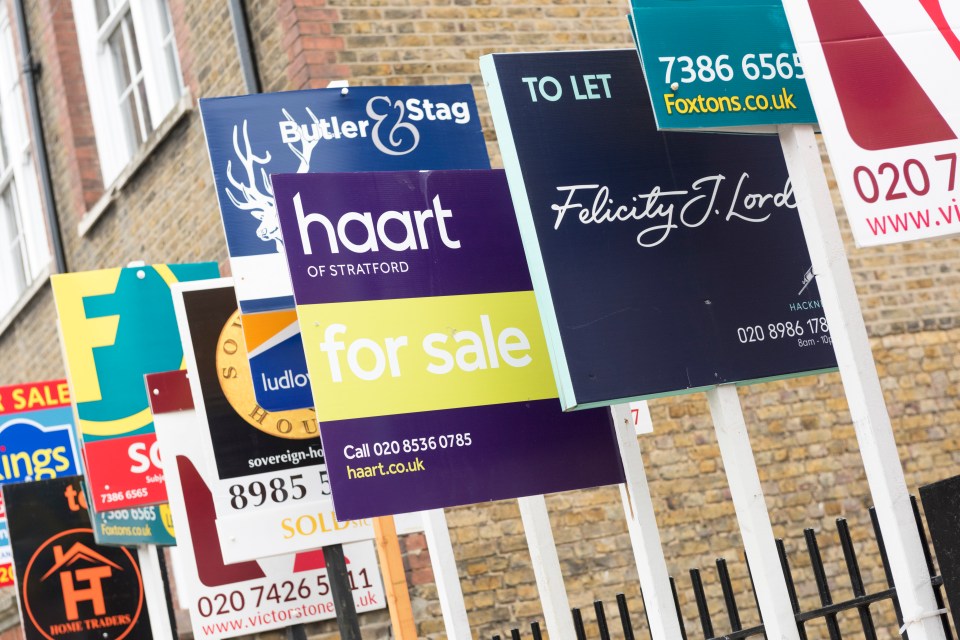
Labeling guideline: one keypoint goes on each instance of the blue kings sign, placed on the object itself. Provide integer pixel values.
(37, 439)
(320, 130)
(37, 442)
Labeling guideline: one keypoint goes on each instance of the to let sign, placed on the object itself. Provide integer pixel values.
(663, 262)
(883, 79)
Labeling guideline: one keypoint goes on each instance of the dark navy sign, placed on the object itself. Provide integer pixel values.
(364, 129)
(662, 263)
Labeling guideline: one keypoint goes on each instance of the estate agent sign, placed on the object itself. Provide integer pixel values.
(69, 587)
(36, 443)
(429, 365)
(720, 63)
(115, 326)
(228, 599)
(271, 490)
(663, 262)
(883, 79)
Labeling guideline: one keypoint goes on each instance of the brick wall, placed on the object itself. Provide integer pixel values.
(806, 450)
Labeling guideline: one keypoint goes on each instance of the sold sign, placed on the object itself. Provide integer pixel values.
(878, 73)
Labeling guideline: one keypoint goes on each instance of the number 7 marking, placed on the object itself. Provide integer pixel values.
(952, 159)
(669, 61)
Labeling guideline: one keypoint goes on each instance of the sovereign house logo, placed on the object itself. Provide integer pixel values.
(237, 385)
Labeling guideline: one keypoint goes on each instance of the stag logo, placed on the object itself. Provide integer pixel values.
(254, 191)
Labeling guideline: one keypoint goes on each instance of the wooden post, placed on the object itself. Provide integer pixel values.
(546, 568)
(394, 579)
(445, 574)
(755, 528)
(644, 534)
(861, 383)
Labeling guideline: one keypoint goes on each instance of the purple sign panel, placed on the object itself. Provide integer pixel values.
(427, 359)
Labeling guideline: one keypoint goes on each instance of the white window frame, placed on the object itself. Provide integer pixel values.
(19, 170)
(99, 71)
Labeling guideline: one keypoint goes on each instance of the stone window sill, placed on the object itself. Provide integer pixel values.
(137, 162)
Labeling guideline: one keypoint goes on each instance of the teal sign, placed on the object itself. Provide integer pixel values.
(718, 63)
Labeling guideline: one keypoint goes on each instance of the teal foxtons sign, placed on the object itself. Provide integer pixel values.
(720, 63)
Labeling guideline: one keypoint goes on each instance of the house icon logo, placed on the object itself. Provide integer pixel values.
(82, 556)
(74, 588)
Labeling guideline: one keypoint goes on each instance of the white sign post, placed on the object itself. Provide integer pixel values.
(740, 465)
(546, 567)
(642, 524)
(445, 574)
(861, 384)
(155, 594)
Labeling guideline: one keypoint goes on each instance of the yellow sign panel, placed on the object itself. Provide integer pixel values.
(467, 350)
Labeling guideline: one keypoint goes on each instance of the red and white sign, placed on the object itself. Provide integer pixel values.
(129, 470)
(227, 600)
(883, 76)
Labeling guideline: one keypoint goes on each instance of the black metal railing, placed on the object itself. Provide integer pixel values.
(828, 612)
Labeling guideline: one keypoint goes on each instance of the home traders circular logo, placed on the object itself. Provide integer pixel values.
(74, 589)
(233, 372)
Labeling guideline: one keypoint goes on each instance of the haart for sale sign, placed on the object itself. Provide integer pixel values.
(427, 356)
(883, 77)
